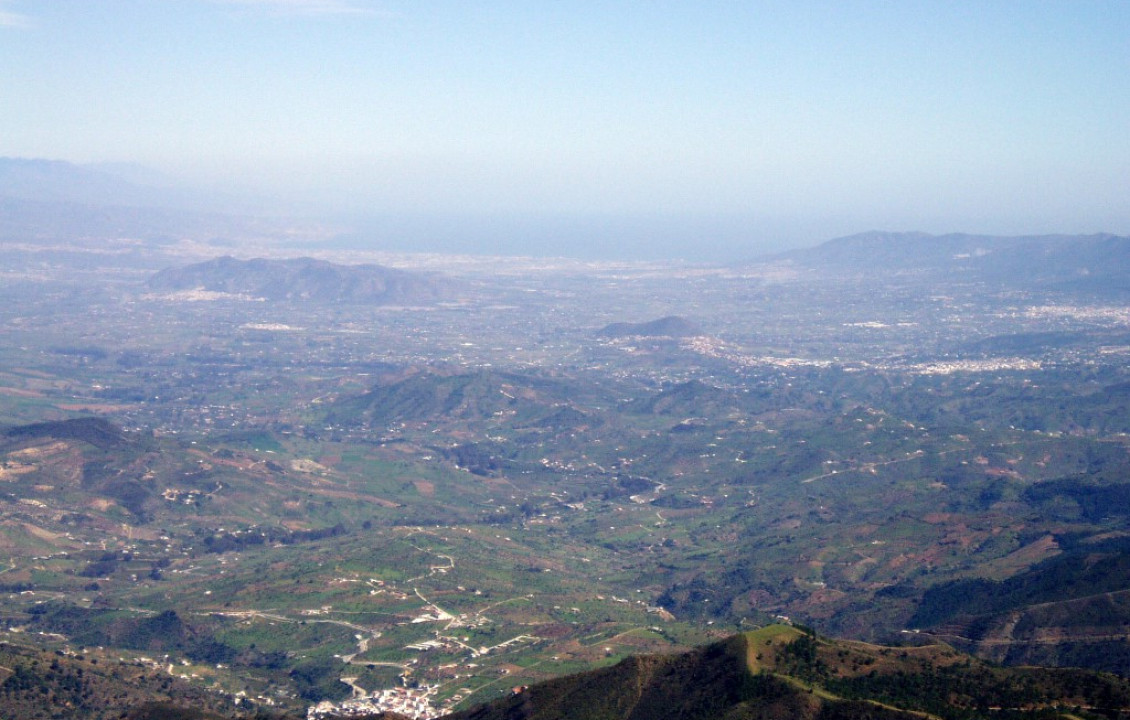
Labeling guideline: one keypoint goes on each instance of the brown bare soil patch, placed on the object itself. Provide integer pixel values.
(1026, 557)
(346, 495)
(32, 373)
(304, 465)
(38, 532)
(18, 392)
(937, 518)
(11, 472)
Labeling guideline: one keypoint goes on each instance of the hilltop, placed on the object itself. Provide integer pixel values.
(98, 432)
(669, 326)
(431, 394)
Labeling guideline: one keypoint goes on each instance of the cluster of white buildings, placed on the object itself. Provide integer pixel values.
(409, 702)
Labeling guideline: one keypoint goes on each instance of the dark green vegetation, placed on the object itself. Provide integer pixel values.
(780, 672)
(38, 684)
(298, 499)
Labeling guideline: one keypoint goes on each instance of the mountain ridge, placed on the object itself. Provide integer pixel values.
(305, 279)
(784, 671)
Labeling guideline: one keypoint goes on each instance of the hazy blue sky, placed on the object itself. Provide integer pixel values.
(797, 120)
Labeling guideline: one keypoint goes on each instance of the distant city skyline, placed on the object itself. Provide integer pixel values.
(684, 125)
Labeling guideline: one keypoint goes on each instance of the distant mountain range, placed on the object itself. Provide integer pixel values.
(307, 280)
(51, 201)
(41, 222)
(1064, 260)
(55, 181)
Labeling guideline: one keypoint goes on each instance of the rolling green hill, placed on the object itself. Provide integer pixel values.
(434, 394)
